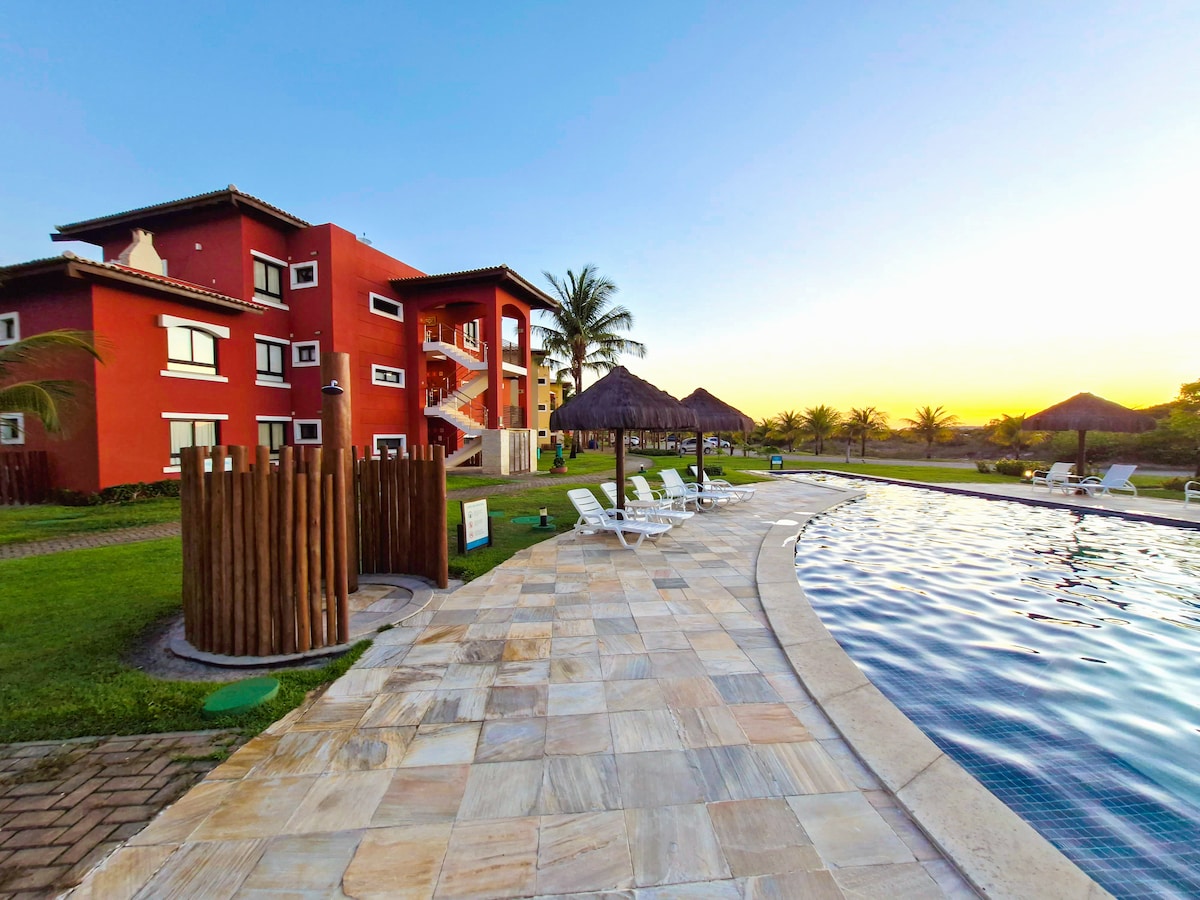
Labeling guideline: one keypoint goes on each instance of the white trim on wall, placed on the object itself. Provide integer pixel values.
(220, 331)
(15, 318)
(376, 369)
(206, 417)
(296, 423)
(397, 316)
(193, 376)
(16, 421)
(294, 268)
(297, 346)
(266, 257)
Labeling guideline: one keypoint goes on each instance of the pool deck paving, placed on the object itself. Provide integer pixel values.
(583, 721)
(586, 720)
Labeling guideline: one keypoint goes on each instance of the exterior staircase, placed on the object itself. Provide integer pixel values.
(470, 447)
(450, 405)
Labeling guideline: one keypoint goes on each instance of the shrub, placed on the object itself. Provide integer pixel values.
(117, 493)
(1016, 467)
(714, 470)
(982, 466)
(1175, 484)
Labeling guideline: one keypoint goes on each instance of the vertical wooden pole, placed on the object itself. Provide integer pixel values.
(222, 570)
(442, 555)
(315, 621)
(300, 529)
(328, 559)
(341, 550)
(285, 529)
(268, 642)
(336, 430)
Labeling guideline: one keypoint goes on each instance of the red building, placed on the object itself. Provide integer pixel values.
(212, 313)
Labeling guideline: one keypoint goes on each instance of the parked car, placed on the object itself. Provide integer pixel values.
(632, 440)
(711, 444)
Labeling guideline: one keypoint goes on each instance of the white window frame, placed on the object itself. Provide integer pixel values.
(283, 267)
(194, 417)
(541, 432)
(297, 440)
(541, 381)
(376, 369)
(398, 316)
(471, 337)
(218, 332)
(281, 420)
(258, 379)
(403, 438)
(541, 407)
(295, 267)
(297, 346)
(15, 319)
(12, 420)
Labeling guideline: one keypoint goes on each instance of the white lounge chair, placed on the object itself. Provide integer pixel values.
(1057, 475)
(700, 497)
(595, 519)
(1115, 479)
(651, 510)
(741, 491)
(1190, 490)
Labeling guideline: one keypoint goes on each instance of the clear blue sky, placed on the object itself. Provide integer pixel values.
(988, 206)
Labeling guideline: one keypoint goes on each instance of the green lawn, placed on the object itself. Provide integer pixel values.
(68, 619)
(35, 523)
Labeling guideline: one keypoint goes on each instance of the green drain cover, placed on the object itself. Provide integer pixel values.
(241, 696)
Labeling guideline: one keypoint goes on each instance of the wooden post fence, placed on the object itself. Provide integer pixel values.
(24, 476)
(267, 546)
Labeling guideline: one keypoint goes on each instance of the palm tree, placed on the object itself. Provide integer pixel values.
(1009, 432)
(821, 422)
(862, 423)
(931, 423)
(40, 398)
(584, 330)
(787, 427)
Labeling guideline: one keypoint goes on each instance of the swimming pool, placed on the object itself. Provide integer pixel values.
(1053, 654)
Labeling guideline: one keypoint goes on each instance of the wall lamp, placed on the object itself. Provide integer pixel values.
(333, 389)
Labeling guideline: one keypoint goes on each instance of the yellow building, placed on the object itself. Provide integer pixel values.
(546, 400)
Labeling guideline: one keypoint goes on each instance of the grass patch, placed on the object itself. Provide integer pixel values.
(34, 523)
(68, 620)
(587, 463)
(464, 482)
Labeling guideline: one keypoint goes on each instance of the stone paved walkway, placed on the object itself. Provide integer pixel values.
(583, 719)
(65, 805)
(84, 541)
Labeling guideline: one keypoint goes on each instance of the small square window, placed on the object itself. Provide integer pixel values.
(394, 444)
(304, 275)
(385, 306)
(541, 407)
(306, 353)
(12, 428)
(541, 433)
(10, 328)
(541, 381)
(306, 431)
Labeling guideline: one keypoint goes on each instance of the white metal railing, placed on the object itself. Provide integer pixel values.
(456, 337)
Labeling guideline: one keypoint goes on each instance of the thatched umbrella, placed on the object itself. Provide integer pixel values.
(1084, 413)
(713, 414)
(618, 401)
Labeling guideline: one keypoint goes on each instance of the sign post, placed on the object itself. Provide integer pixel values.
(476, 528)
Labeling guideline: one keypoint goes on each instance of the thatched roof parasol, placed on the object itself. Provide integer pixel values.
(713, 414)
(618, 401)
(1084, 413)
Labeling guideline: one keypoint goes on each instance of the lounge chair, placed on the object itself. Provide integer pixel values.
(1190, 490)
(651, 510)
(700, 497)
(1057, 475)
(741, 491)
(595, 519)
(1115, 479)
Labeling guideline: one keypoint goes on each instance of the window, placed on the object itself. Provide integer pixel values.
(387, 376)
(553, 402)
(383, 306)
(470, 332)
(541, 407)
(191, 433)
(541, 381)
(191, 350)
(395, 444)
(306, 431)
(541, 433)
(12, 428)
(268, 279)
(304, 275)
(269, 354)
(273, 434)
(306, 353)
(10, 328)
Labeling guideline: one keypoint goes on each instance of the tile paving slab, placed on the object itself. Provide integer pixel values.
(581, 721)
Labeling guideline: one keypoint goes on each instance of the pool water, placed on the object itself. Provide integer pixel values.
(1054, 654)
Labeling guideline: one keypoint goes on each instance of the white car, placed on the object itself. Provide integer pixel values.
(710, 445)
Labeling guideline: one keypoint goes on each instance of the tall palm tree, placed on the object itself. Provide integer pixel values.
(585, 329)
(821, 422)
(787, 427)
(862, 423)
(40, 398)
(1009, 432)
(931, 423)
